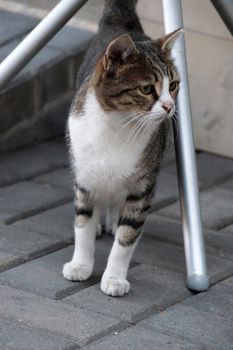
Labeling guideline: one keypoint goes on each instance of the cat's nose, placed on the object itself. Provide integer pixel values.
(167, 106)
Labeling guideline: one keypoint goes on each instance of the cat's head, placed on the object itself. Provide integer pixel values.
(138, 77)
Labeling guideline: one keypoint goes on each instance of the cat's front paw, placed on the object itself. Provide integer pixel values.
(114, 286)
(76, 272)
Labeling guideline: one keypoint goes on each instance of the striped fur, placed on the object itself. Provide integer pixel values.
(83, 205)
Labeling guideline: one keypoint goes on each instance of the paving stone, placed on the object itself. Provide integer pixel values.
(137, 338)
(212, 169)
(57, 317)
(216, 208)
(169, 157)
(225, 285)
(32, 161)
(58, 178)
(13, 335)
(218, 243)
(27, 198)
(189, 322)
(34, 275)
(26, 245)
(228, 184)
(57, 150)
(13, 26)
(151, 288)
(57, 223)
(8, 260)
(166, 190)
(217, 301)
(163, 229)
(227, 229)
(171, 169)
(164, 255)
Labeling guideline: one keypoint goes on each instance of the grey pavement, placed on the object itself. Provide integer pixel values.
(39, 309)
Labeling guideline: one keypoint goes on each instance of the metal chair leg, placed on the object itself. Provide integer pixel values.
(197, 278)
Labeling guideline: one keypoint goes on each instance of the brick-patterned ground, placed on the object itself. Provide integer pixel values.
(39, 309)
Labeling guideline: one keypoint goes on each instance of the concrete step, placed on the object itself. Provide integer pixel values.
(35, 104)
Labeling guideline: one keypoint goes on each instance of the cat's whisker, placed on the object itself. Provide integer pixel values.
(138, 132)
(131, 133)
(131, 137)
(125, 125)
(132, 115)
(122, 129)
(129, 116)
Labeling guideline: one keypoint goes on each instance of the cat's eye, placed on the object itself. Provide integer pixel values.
(173, 85)
(146, 89)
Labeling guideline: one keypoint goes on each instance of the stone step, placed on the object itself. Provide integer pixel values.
(36, 102)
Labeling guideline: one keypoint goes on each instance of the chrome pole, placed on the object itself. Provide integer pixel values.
(37, 39)
(197, 278)
(225, 10)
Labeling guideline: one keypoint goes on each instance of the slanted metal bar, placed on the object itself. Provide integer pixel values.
(197, 278)
(37, 39)
(225, 10)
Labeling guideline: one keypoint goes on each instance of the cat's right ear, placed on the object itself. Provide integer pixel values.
(166, 42)
(118, 51)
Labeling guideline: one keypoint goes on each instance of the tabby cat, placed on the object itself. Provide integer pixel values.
(118, 129)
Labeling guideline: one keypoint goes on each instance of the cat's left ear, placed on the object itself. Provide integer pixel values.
(118, 51)
(166, 42)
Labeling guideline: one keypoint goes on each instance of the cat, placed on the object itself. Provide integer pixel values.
(118, 129)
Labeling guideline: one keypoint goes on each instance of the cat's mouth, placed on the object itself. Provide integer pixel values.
(159, 117)
(172, 112)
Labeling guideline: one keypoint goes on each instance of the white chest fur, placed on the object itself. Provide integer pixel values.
(103, 155)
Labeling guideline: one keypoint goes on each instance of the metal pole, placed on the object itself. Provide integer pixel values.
(197, 278)
(225, 9)
(37, 39)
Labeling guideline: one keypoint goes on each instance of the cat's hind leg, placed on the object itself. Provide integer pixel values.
(111, 220)
(99, 230)
(85, 226)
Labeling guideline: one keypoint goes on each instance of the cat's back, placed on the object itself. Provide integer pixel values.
(119, 17)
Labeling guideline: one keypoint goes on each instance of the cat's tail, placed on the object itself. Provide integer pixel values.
(120, 13)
